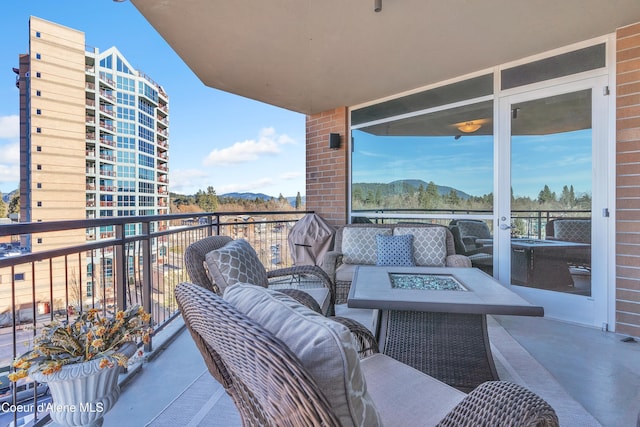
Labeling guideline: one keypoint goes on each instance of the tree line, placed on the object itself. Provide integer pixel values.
(429, 198)
(208, 201)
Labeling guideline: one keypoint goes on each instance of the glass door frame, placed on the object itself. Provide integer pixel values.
(594, 310)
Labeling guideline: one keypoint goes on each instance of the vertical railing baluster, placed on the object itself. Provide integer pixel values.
(146, 272)
(119, 268)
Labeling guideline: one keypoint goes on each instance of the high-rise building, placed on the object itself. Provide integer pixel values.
(93, 141)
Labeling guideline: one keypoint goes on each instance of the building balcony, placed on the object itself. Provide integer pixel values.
(553, 358)
(109, 81)
(107, 141)
(107, 110)
(107, 95)
(107, 126)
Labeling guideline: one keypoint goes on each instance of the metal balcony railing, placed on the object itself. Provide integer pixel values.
(112, 263)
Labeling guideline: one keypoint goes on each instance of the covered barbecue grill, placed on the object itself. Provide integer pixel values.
(310, 239)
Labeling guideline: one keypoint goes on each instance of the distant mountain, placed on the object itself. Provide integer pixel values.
(405, 185)
(6, 197)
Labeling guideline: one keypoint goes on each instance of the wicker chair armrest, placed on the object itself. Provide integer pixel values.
(458, 261)
(331, 262)
(367, 344)
(303, 269)
(501, 403)
(311, 270)
(303, 298)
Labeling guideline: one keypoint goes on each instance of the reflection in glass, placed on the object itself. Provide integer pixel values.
(551, 193)
(426, 162)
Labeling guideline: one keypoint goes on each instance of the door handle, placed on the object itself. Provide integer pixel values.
(505, 227)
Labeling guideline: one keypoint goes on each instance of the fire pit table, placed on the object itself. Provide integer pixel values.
(434, 318)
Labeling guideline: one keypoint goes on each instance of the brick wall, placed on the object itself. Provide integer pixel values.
(628, 181)
(327, 168)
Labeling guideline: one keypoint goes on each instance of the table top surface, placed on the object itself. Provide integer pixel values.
(371, 288)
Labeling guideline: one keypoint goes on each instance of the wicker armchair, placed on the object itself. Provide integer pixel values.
(196, 253)
(271, 387)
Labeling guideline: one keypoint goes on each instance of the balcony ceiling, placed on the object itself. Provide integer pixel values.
(310, 56)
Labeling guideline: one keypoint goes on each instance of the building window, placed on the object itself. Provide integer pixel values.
(37, 34)
(38, 130)
(39, 167)
(39, 204)
(38, 56)
(392, 145)
(38, 75)
(38, 111)
(38, 93)
(39, 240)
(39, 147)
(39, 185)
(145, 161)
(18, 276)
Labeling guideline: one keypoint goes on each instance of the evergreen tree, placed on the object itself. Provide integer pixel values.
(3, 207)
(432, 195)
(298, 201)
(546, 196)
(208, 201)
(14, 204)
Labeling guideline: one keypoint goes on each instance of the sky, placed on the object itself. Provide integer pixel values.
(216, 139)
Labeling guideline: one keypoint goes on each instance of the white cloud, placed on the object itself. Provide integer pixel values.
(290, 176)
(10, 127)
(187, 181)
(251, 187)
(268, 143)
(10, 153)
(9, 166)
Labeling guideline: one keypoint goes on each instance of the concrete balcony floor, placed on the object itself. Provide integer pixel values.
(597, 369)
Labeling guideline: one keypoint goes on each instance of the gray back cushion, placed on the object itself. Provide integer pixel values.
(235, 262)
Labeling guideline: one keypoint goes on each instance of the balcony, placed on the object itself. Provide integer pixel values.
(549, 356)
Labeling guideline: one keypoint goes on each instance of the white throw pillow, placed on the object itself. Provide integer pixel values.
(325, 348)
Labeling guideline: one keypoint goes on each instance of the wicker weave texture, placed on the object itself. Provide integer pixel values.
(500, 403)
(195, 254)
(270, 385)
(451, 347)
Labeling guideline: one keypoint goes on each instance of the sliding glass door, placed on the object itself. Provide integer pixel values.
(552, 199)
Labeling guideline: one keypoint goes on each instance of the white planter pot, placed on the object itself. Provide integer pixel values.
(82, 393)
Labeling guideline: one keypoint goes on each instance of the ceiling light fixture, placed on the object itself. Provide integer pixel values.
(469, 127)
(377, 5)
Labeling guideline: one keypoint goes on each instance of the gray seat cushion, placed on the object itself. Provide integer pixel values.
(405, 396)
(322, 296)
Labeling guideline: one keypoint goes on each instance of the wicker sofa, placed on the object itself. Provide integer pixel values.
(355, 244)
